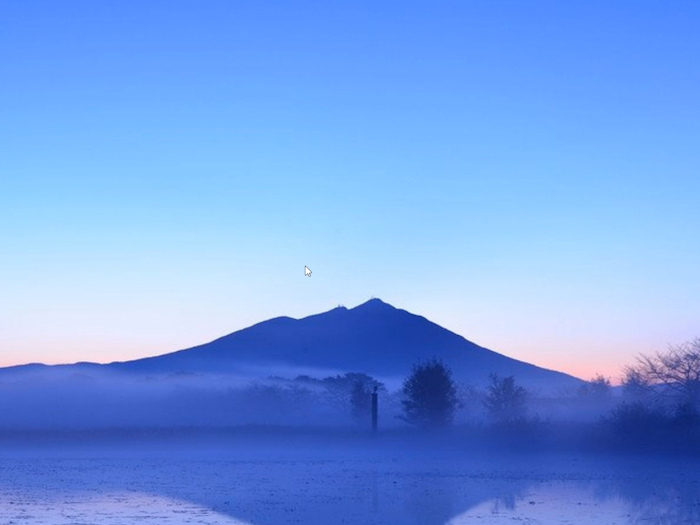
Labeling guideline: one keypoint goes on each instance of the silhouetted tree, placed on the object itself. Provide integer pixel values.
(597, 389)
(505, 401)
(349, 393)
(634, 387)
(670, 378)
(429, 395)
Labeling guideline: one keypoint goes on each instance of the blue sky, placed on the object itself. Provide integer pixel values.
(523, 173)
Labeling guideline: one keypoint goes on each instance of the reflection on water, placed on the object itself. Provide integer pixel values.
(657, 501)
(565, 502)
(260, 491)
(585, 503)
(113, 508)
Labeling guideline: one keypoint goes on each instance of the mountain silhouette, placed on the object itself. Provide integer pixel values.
(246, 378)
(374, 337)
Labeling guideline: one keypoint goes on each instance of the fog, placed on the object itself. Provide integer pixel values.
(95, 445)
(55, 398)
(97, 397)
(95, 401)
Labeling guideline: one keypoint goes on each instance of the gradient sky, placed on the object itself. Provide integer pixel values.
(526, 174)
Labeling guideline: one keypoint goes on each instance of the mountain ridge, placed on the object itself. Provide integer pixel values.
(373, 337)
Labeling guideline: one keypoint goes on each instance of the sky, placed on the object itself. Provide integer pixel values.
(525, 174)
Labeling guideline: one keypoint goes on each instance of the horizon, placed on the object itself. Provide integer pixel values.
(524, 175)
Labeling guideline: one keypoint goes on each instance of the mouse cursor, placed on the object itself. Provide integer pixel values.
(307, 272)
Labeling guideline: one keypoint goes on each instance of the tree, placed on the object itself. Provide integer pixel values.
(669, 378)
(349, 393)
(505, 401)
(429, 395)
(361, 390)
(634, 387)
(597, 389)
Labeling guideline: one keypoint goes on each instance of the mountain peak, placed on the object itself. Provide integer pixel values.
(374, 304)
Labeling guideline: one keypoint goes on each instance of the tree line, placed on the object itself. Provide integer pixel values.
(660, 394)
(430, 397)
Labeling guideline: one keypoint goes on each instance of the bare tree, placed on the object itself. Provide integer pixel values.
(671, 376)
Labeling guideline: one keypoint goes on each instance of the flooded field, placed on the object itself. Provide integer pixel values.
(269, 487)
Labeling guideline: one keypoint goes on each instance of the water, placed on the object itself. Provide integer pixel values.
(333, 488)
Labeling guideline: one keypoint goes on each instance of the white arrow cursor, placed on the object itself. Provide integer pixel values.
(307, 272)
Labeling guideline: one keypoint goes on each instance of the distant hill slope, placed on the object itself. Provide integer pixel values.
(374, 337)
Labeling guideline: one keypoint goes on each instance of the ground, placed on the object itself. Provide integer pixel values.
(368, 481)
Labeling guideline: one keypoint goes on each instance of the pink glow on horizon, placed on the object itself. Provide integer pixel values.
(52, 354)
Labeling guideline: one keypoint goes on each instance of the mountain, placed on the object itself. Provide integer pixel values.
(374, 337)
(228, 382)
